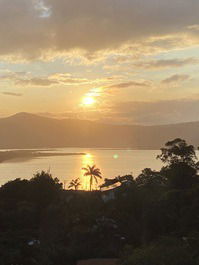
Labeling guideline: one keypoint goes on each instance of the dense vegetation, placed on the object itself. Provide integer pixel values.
(150, 220)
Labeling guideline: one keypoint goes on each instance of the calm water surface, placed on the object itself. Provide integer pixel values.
(111, 162)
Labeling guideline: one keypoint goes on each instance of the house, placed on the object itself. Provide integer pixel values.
(108, 195)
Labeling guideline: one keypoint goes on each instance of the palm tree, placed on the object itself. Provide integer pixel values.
(94, 173)
(75, 183)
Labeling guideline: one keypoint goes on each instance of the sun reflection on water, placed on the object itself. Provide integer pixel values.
(87, 159)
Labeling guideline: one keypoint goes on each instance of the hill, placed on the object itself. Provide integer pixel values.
(24, 130)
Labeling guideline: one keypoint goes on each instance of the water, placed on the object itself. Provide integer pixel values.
(112, 163)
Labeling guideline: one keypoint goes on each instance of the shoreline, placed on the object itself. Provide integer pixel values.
(9, 156)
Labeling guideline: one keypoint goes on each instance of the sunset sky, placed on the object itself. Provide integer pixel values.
(116, 61)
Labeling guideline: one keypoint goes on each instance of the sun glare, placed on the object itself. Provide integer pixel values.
(86, 160)
(88, 101)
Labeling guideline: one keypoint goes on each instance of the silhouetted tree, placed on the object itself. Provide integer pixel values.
(178, 151)
(181, 164)
(165, 251)
(149, 177)
(75, 183)
(94, 174)
(14, 191)
(44, 188)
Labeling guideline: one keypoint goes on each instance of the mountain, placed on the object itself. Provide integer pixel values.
(24, 130)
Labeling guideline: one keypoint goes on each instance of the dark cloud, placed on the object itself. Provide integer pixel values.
(36, 28)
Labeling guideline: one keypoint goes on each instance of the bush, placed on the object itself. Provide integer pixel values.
(165, 252)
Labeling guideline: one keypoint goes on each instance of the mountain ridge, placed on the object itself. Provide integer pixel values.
(26, 130)
(28, 114)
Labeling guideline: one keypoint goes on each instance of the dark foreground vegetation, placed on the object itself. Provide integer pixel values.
(150, 220)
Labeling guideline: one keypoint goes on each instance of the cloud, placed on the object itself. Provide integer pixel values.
(25, 79)
(46, 28)
(36, 82)
(163, 64)
(130, 84)
(12, 94)
(175, 79)
(194, 27)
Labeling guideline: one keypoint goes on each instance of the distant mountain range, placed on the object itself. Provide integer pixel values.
(24, 130)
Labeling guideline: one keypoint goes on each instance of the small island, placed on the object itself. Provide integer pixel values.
(17, 155)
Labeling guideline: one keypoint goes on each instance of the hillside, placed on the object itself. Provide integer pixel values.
(25, 130)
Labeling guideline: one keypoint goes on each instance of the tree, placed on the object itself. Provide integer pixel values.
(75, 183)
(14, 191)
(178, 151)
(181, 164)
(180, 175)
(44, 188)
(149, 177)
(94, 174)
(165, 251)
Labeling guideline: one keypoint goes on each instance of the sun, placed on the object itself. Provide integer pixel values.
(88, 101)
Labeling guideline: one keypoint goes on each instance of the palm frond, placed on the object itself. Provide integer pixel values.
(86, 173)
(97, 172)
(85, 168)
(93, 167)
(96, 179)
(93, 172)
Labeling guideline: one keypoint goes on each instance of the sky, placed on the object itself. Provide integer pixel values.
(113, 61)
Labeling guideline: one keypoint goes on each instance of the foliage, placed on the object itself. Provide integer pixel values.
(75, 183)
(94, 174)
(181, 164)
(150, 177)
(178, 151)
(180, 175)
(47, 188)
(150, 220)
(166, 251)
